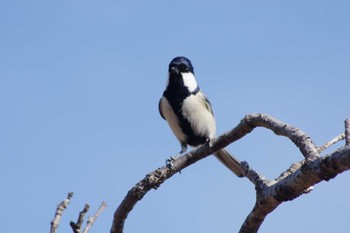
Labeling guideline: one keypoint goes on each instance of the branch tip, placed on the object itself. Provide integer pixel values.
(347, 131)
(76, 227)
(59, 211)
(331, 142)
(91, 220)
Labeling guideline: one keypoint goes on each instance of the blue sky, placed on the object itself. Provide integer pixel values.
(79, 88)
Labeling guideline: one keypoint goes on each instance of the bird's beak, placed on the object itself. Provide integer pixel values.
(174, 70)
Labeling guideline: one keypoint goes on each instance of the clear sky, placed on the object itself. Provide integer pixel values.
(80, 83)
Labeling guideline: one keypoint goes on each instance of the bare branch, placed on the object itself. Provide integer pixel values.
(59, 211)
(258, 180)
(331, 142)
(257, 216)
(297, 183)
(92, 219)
(347, 131)
(152, 180)
(77, 226)
(269, 193)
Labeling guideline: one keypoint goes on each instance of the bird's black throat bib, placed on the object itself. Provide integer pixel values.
(176, 93)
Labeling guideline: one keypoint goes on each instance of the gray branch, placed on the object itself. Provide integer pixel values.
(76, 227)
(295, 181)
(91, 220)
(347, 132)
(331, 142)
(59, 211)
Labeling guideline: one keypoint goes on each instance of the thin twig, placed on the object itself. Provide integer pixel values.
(347, 131)
(59, 211)
(259, 181)
(77, 226)
(290, 170)
(92, 219)
(331, 142)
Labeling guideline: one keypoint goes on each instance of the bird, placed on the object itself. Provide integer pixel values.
(189, 113)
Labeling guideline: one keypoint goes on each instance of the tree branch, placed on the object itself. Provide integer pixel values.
(347, 131)
(91, 220)
(59, 211)
(331, 142)
(295, 184)
(295, 181)
(76, 227)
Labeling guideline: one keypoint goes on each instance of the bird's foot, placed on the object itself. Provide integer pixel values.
(210, 141)
(169, 161)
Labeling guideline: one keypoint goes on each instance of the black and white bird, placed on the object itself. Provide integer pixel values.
(189, 113)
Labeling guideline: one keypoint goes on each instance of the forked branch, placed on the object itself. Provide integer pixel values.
(296, 180)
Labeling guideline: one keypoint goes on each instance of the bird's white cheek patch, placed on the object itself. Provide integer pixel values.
(189, 81)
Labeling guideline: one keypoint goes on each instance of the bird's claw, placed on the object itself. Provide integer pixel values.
(169, 162)
(210, 142)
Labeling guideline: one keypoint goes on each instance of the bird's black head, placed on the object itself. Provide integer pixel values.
(181, 81)
(180, 65)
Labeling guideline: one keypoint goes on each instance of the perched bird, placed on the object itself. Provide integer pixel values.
(189, 113)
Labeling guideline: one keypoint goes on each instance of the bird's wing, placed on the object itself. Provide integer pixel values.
(207, 103)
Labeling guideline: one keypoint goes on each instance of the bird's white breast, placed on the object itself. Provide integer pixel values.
(195, 110)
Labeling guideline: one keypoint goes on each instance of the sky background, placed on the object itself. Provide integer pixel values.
(80, 83)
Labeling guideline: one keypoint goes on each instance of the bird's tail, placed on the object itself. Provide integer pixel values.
(229, 161)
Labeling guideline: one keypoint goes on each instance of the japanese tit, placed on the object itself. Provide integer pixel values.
(189, 113)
